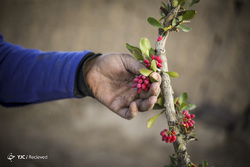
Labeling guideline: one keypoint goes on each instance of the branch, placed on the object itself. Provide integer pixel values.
(167, 91)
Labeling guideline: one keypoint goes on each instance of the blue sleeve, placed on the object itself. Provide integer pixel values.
(32, 76)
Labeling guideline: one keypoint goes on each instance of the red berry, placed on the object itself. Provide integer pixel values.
(192, 115)
(146, 89)
(158, 58)
(138, 85)
(146, 81)
(159, 65)
(148, 65)
(148, 85)
(144, 77)
(160, 61)
(163, 133)
(185, 112)
(146, 61)
(143, 86)
(153, 57)
(140, 81)
(159, 38)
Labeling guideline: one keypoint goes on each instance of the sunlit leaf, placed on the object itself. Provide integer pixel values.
(175, 3)
(151, 121)
(172, 74)
(145, 72)
(154, 22)
(161, 101)
(145, 46)
(174, 22)
(153, 65)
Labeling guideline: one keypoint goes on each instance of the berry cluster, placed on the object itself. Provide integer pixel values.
(157, 59)
(168, 136)
(187, 120)
(141, 83)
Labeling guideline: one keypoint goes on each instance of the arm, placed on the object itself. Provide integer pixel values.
(31, 76)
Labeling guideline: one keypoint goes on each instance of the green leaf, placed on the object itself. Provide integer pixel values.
(184, 28)
(145, 72)
(204, 164)
(131, 47)
(152, 79)
(161, 101)
(189, 107)
(192, 2)
(172, 74)
(183, 105)
(189, 15)
(153, 65)
(175, 3)
(157, 106)
(174, 22)
(145, 46)
(137, 54)
(182, 2)
(151, 52)
(180, 18)
(176, 99)
(183, 98)
(154, 22)
(151, 121)
(179, 146)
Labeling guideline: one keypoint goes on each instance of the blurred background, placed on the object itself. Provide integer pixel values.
(212, 60)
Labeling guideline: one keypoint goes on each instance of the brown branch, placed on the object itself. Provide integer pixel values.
(167, 91)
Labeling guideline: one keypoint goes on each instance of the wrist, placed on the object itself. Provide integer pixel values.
(82, 85)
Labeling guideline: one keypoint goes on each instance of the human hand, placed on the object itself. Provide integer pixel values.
(110, 78)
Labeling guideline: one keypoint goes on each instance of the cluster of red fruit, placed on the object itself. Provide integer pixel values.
(168, 136)
(141, 83)
(187, 120)
(157, 59)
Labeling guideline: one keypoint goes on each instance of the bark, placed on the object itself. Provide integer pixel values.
(167, 91)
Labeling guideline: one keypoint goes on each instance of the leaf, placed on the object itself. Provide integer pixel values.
(157, 106)
(183, 105)
(180, 18)
(153, 65)
(161, 101)
(145, 46)
(152, 79)
(137, 54)
(151, 121)
(176, 99)
(183, 98)
(179, 146)
(182, 2)
(204, 164)
(189, 15)
(154, 22)
(184, 28)
(175, 3)
(151, 52)
(131, 47)
(174, 22)
(145, 72)
(192, 2)
(189, 107)
(172, 74)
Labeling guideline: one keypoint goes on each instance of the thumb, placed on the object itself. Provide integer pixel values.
(131, 64)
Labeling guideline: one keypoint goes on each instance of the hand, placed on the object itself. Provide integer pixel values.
(110, 78)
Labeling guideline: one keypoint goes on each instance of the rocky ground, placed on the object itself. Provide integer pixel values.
(212, 60)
